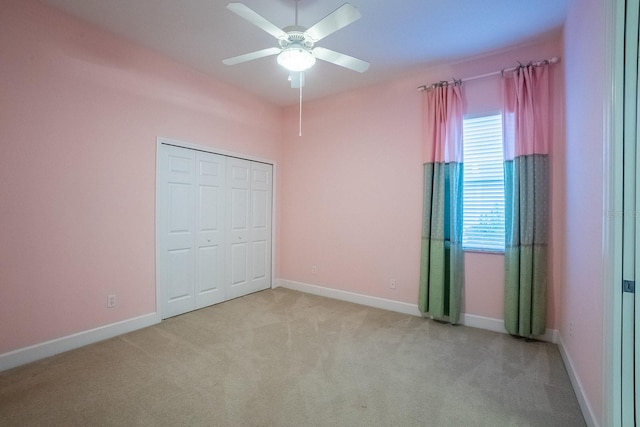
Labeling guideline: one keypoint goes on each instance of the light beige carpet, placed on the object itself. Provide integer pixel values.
(284, 358)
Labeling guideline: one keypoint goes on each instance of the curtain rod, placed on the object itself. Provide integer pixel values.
(552, 60)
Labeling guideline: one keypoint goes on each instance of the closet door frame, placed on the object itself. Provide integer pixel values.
(160, 141)
(621, 260)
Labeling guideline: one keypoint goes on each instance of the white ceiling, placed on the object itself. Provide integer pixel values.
(396, 37)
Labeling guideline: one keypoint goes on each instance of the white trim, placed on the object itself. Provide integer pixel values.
(159, 142)
(471, 320)
(208, 149)
(385, 304)
(497, 325)
(481, 322)
(59, 345)
(274, 231)
(587, 410)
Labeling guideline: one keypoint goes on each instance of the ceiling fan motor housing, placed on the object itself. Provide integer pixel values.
(296, 36)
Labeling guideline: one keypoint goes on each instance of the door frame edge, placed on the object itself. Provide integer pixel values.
(612, 224)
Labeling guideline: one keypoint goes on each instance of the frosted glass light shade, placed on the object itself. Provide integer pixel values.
(296, 59)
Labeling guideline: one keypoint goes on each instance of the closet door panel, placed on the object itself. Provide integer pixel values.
(260, 226)
(239, 256)
(210, 222)
(177, 253)
(238, 205)
(180, 295)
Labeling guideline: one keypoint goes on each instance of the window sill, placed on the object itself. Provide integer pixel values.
(483, 251)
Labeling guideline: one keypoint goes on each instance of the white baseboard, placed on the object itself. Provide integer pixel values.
(497, 325)
(587, 410)
(471, 320)
(481, 322)
(59, 345)
(386, 304)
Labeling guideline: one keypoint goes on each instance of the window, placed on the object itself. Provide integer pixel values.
(483, 184)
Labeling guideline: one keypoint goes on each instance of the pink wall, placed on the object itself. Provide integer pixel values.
(585, 62)
(351, 188)
(80, 111)
(349, 200)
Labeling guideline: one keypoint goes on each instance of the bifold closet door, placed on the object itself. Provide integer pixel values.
(249, 193)
(191, 225)
(214, 228)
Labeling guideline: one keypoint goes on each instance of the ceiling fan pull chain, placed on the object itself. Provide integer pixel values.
(300, 122)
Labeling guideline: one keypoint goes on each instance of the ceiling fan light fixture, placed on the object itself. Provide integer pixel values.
(296, 58)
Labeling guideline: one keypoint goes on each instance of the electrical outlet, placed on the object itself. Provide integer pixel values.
(314, 269)
(111, 301)
(570, 329)
(392, 284)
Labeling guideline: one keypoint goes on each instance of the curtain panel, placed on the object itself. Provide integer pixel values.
(526, 121)
(442, 259)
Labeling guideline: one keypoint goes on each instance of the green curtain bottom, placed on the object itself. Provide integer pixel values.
(525, 290)
(441, 280)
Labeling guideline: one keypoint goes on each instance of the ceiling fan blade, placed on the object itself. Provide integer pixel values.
(339, 18)
(257, 20)
(341, 59)
(253, 55)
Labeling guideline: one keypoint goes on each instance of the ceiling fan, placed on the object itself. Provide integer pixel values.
(296, 51)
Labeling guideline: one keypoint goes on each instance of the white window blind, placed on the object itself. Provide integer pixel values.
(483, 184)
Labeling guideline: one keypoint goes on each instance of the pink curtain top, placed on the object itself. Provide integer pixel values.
(526, 111)
(442, 140)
